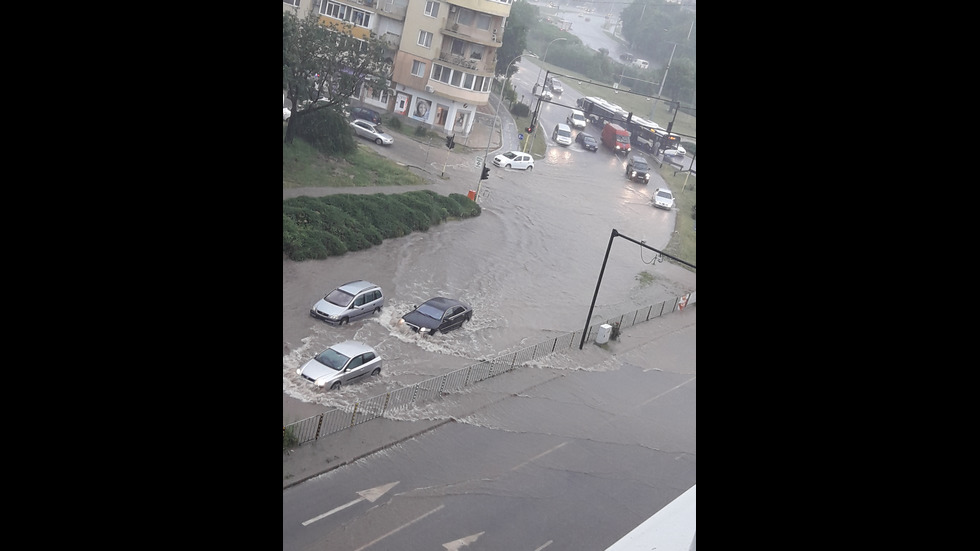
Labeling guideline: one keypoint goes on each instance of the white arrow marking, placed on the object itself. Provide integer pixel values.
(371, 495)
(462, 542)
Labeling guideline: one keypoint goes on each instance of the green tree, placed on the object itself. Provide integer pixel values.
(652, 29)
(323, 65)
(522, 16)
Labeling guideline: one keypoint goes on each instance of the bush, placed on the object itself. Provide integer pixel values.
(520, 109)
(327, 131)
(319, 227)
(394, 123)
(421, 132)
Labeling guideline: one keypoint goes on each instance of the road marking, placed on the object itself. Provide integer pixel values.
(369, 495)
(462, 542)
(540, 455)
(406, 525)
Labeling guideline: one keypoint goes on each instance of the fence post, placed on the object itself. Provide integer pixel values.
(319, 424)
(466, 383)
(384, 408)
(354, 414)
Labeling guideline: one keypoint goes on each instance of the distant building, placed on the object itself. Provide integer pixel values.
(443, 53)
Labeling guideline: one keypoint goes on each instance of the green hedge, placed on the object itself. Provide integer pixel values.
(319, 227)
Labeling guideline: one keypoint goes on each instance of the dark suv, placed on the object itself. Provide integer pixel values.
(638, 169)
(366, 114)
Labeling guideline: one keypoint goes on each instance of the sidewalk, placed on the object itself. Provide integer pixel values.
(341, 448)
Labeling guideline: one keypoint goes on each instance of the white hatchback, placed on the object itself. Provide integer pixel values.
(514, 159)
(576, 119)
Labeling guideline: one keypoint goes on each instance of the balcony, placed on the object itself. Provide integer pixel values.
(473, 34)
(469, 63)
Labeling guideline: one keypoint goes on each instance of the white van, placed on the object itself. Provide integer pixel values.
(576, 118)
(562, 134)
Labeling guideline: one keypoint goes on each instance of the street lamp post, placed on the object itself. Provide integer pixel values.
(530, 136)
(545, 60)
(493, 125)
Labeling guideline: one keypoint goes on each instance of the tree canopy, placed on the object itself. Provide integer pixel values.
(522, 17)
(322, 65)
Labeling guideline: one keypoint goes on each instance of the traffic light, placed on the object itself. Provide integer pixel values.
(486, 173)
(530, 129)
(450, 141)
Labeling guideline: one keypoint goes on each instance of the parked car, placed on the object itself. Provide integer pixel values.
(285, 113)
(341, 364)
(437, 314)
(562, 134)
(637, 168)
(365, 114)
(576, 118)
(372, 131)
(675, 151)
(546, 94)
(349, 302)
(514, 159)
(663, 198)
(588, 141)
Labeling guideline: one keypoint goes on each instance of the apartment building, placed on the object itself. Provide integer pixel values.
(443, 53)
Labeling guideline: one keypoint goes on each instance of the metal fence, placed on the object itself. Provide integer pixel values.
(338, 419)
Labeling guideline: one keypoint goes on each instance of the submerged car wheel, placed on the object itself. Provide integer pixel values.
(376, 371)
(529, 167)
(508, 165)
(335, 386)
(378, 141)
(343, 321)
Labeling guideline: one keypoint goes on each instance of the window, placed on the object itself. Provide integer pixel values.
(346, 13)
(418, 68)
(431, 9)
(483, 21)
(291, 2)
(458, 46)
(425, 39)
(465, 17)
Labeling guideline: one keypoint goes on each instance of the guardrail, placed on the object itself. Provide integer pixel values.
(338, 419)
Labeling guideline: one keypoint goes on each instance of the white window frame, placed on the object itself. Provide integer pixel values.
(425, 39)
(418, 68)
(291, 2)
(431, 8)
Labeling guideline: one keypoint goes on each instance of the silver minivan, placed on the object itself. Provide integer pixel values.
(349, 302)
(562, 134)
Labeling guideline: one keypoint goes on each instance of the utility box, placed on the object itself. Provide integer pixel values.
(602, 337)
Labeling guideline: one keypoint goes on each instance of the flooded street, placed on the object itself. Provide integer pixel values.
(528, 266)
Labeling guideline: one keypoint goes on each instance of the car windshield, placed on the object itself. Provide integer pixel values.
(564, 133)
(588, 138)
(332, 359)
(338, 297)
(430, 311)
(640, 164)
(509, 155)
(665, 194)
(622, 139)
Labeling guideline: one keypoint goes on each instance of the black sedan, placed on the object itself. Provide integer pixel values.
(587, 141)
(437, 314)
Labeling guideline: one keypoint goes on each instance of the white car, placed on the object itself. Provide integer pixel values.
(576, 119)
(663, 199)
(678, 151)
(547, 95)
(285, 113)
(340, 364)
(514, 159)
(371, 131)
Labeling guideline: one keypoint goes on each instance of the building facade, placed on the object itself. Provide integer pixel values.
(442, 53)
